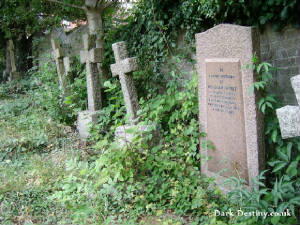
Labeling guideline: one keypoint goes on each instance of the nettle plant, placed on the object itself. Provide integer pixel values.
(277, 187)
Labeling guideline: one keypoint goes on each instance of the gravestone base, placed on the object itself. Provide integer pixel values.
(84, 120)
(124, 136)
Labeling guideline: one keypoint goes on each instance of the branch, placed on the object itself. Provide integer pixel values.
(67, 4)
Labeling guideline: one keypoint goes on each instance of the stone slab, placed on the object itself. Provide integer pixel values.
(84, 120)
(289, 121)
(296, 86)
(55, 44)
(67, 64)
(227, 112)
(225, 107)
(57, 53)
(120, 50)
(83, 56)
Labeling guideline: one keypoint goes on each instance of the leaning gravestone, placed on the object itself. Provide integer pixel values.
(58, 55)
(124, 67)
(289, 116)
(90, 56)
(227, 111)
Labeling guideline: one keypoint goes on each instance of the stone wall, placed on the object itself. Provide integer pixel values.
(281, 49)
(71, 42)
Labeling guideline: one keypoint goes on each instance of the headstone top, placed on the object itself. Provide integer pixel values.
(120, 50)
(289, 116)
(67, 64)
(289, 121)
(296, 86)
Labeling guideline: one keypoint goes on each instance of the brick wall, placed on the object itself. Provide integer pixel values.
(71, 43)
(281, 49)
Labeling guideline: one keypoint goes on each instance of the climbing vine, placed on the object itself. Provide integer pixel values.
(154, 28)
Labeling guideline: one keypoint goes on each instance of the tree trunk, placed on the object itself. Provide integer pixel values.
(7, 71)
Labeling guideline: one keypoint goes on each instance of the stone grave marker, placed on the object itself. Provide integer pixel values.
(228, 113)
(124, 67)
(90, 56)
(58, 55)
(68, 63)
(289, 116)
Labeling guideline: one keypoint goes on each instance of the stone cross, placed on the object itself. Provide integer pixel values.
(68, 63)
(91, 56)
(289, 116)
(58, 55)
(14, 74)
(124, 67)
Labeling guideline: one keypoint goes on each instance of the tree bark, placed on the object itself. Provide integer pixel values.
(7, 71)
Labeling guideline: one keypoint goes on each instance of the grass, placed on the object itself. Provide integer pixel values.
(34, 151)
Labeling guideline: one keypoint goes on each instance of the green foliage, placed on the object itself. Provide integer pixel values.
(112, 115)
(25, 128)
(154, 28)
(25, 18)
(49, 96)
(26, 184)
(140, 178)
(32, 146)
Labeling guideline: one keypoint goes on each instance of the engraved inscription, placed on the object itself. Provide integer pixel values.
(222, 98)
(225, 117)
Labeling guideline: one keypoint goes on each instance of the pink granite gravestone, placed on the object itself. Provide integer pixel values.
(227, 110)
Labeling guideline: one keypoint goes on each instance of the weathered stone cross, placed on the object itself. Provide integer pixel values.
(58, 55)
(289, 116)
(91, 56)
(124, 67)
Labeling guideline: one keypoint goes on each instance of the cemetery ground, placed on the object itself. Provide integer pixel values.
(49, 176)
(160, 113)
(37, 153)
